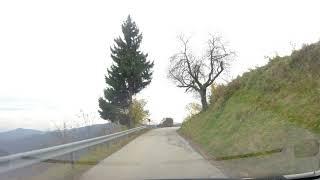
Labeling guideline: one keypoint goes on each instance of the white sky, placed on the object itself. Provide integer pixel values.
(54, 54)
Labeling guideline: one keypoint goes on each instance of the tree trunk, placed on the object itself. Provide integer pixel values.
(203, 95)
(130, 121)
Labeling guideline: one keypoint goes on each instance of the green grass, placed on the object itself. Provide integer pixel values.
(271, 107)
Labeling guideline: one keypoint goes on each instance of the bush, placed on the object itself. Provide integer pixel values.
(221, 93)
(307, 59)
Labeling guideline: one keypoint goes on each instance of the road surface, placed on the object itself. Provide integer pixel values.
(159, 153)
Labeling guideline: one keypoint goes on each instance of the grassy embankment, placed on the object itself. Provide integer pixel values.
(268, 108)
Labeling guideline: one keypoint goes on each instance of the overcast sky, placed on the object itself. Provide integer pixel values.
(54, 54)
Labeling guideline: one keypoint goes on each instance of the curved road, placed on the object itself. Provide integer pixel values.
(157, 154)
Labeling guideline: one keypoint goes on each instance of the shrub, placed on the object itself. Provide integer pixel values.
(221, 93)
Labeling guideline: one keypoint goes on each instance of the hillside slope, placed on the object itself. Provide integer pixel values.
(21, 140)
(270, 107)
(17, 134)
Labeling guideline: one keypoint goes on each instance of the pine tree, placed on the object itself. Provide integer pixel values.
(129, 74)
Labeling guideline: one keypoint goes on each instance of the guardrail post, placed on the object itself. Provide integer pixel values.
(72, 159)
(127, 137)
(107, 145)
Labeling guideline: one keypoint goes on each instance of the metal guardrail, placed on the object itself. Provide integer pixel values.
(20, 160)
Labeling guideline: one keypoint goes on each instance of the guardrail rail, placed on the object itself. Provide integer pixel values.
(20, 160)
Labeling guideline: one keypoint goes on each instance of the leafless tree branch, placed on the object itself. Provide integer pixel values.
(196, 74)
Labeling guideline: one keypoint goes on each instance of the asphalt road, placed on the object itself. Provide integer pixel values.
(159, 153)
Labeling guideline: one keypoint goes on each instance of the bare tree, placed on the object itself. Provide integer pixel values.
(197, 73)
(61, 131)
(87, 120)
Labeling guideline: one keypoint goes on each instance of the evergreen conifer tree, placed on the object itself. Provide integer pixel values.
(129, 74)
